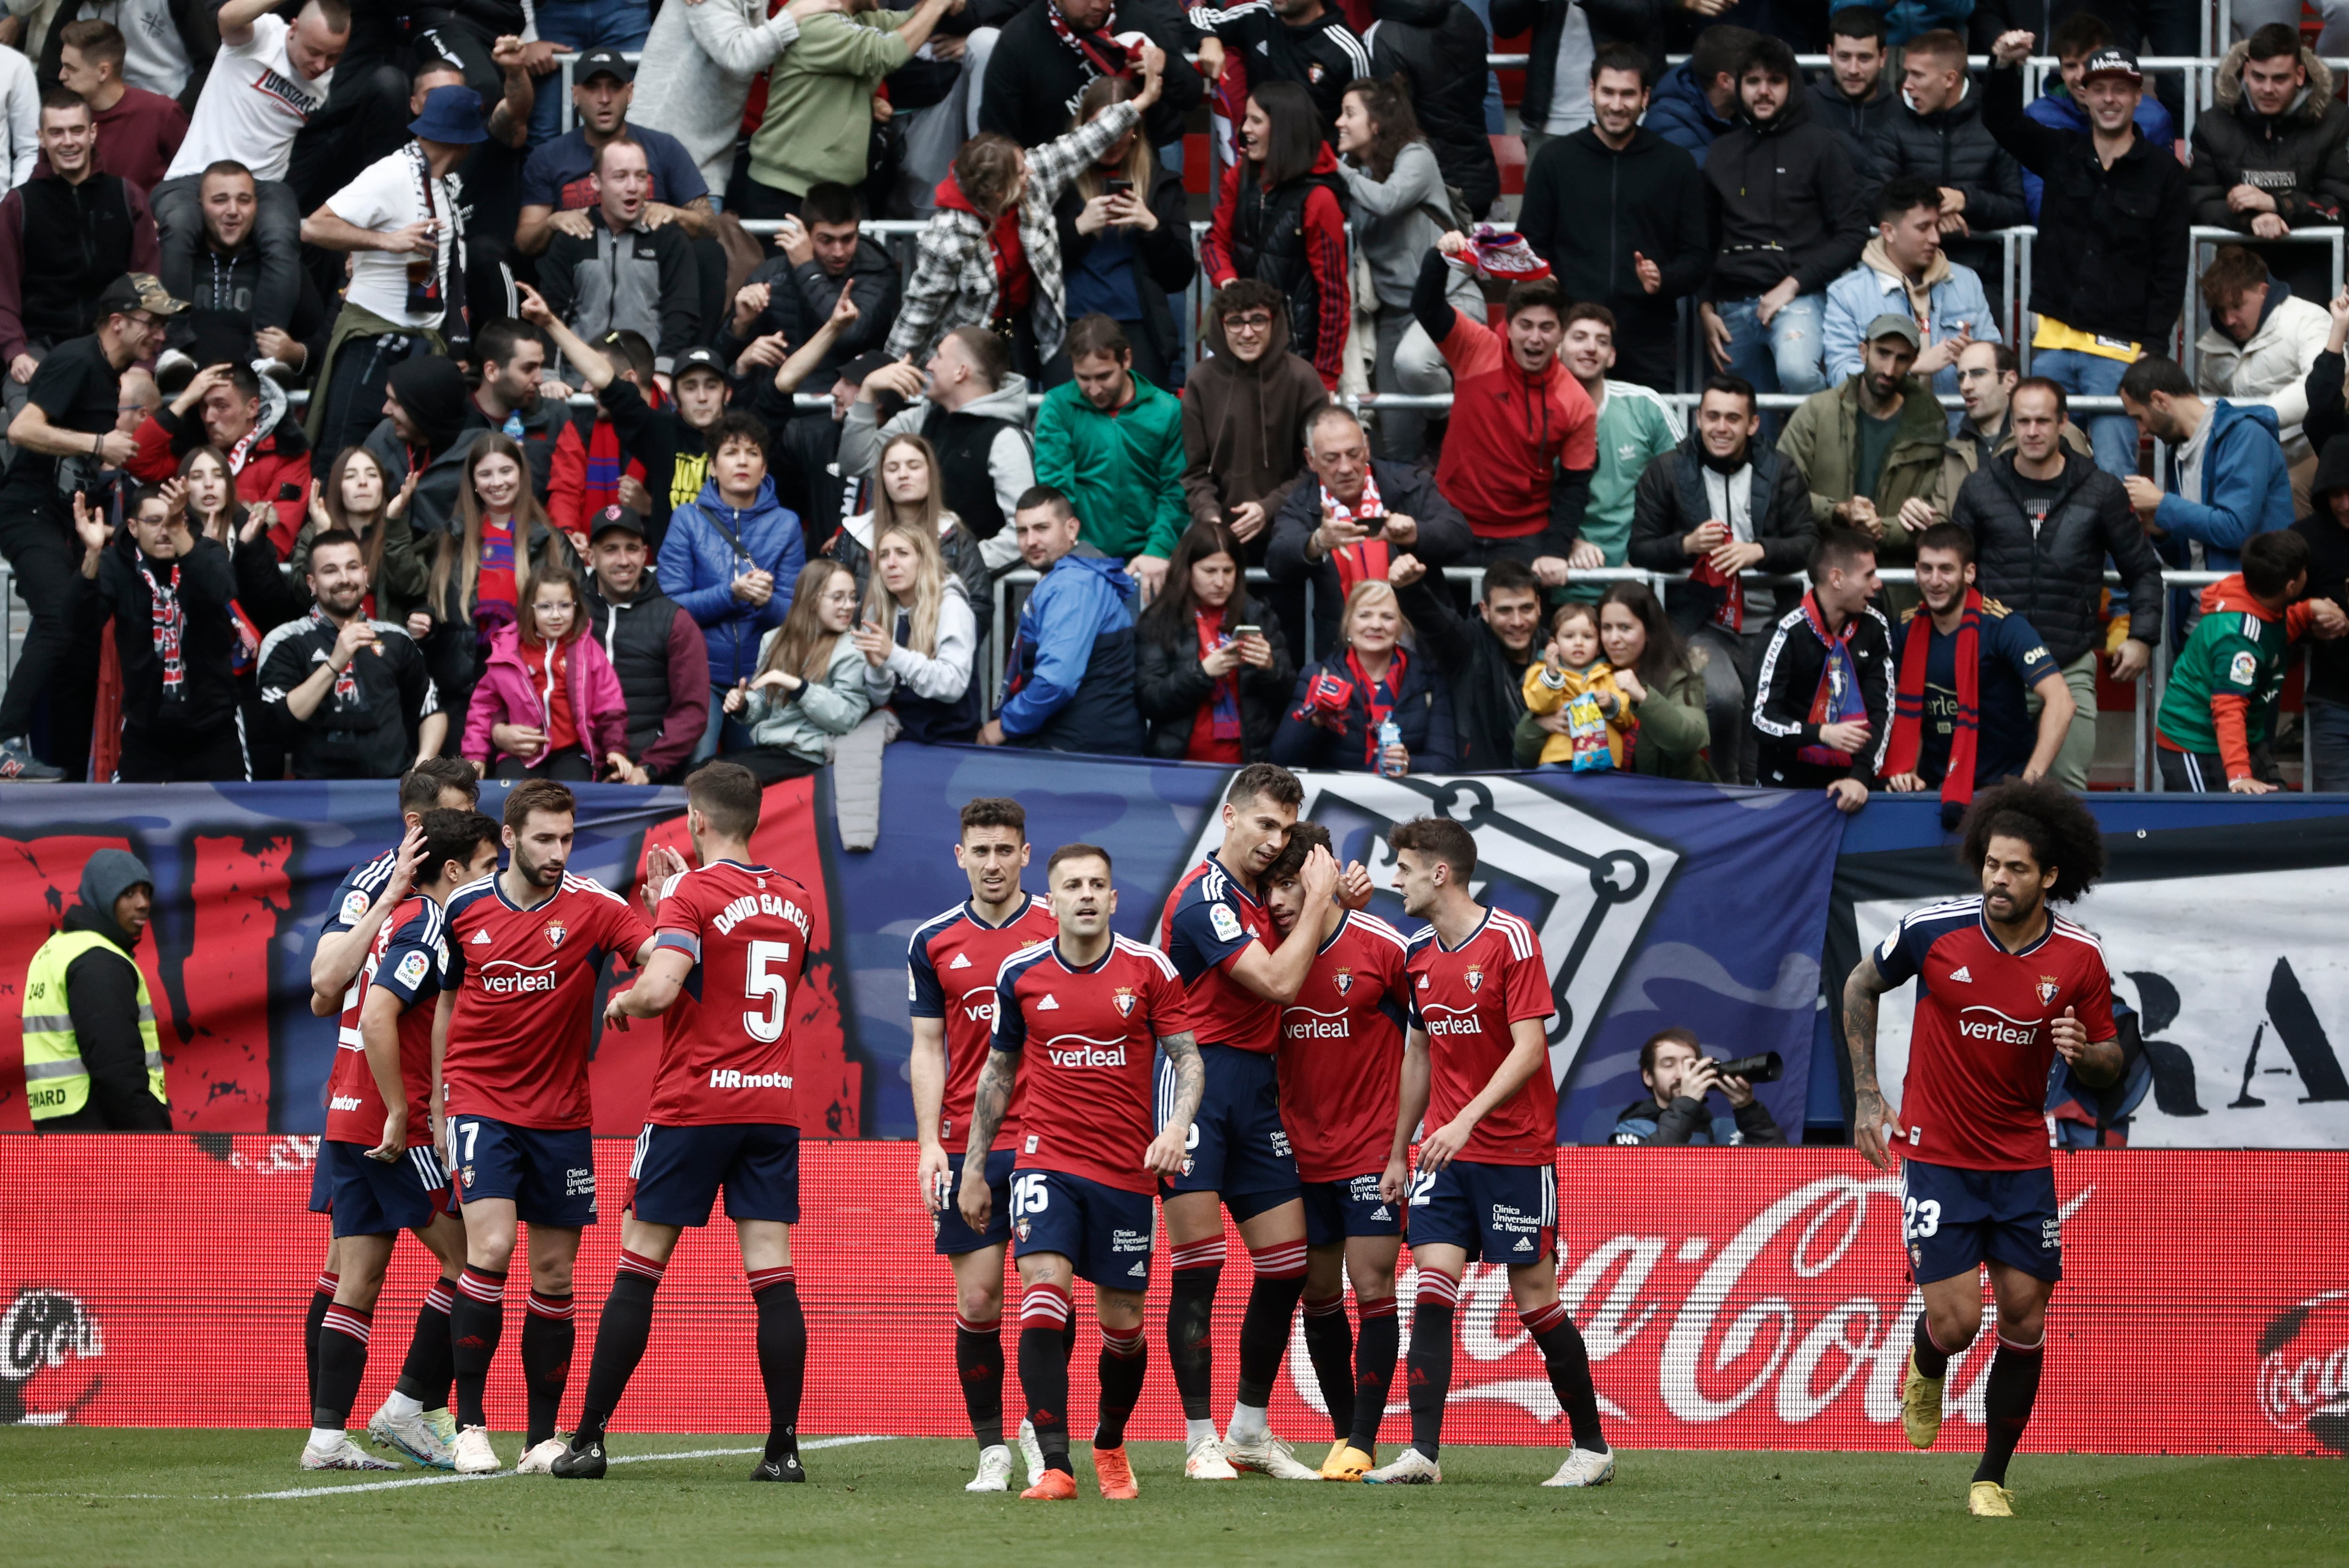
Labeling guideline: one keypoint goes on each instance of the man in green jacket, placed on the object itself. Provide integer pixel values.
(1871, 448)
(1114, 443)
(819, 120)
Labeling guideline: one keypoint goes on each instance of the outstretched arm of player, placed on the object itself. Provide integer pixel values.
(1871, 1118)
(441, 1010)
(1410, 1104)
(656, 989)
(2098, 1062)
(337, 963)
(926, 1069)
(990, 1101)
(1529, 1054)
(379, 1033)
(1276, 974)
(1165, 1155)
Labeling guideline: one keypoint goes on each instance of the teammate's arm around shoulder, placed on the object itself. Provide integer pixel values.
(990, 1099)
(1277, 974)
(1165, 1155)
(1410, 1104)
(1870, 1117)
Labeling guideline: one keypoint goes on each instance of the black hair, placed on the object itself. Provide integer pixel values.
(1507, 573)
(455, 835)
(1078, 853)
(2156, 373)
(1903, 196)
(1620, 57)
(1730, 386)
(2271, 561)
(2049, 818)
(2081, 33)
(494, 340)
(1950, 536)
(727, 795)
(1838, 547)
(740, 425)
(1676, 1036)
(1536, 293)
(421, 787)
(1442, 837)
(995, 811)
(829, 202)
(1303, 840)
(1857, 21)
(1295, 139)
(1771, 54)
(2276, 41)
(1265, 781)
(1048, 496)
(1718, 51)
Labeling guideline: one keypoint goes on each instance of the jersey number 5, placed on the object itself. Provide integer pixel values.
(761, 977)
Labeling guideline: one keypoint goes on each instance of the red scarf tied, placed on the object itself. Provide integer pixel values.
(1379, 698)
(1838, 697)
(1908, 716)
(1103, 56)
(1365, 558)
(168, 621)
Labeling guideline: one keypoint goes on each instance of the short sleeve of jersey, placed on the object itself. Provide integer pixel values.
(1170, 1011)
(2014, 640)
(1010, 1025)
(624, 930)
(413, 966)
(1528, 984)
(1901, 956)
(2094, 1005)
(677, 923)
(352, 903)
(1207, 933)
(925, 998)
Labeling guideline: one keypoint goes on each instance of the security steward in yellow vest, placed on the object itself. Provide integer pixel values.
(91, 1060)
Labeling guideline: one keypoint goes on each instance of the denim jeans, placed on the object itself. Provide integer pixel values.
(2328, 745)
(2113, 435)
(583, 25)
(1785, 355)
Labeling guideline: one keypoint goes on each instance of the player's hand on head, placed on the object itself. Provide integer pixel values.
(1355, 886)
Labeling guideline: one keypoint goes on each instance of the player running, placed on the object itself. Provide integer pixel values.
(1477, 1067)
(525, 947)
(730, 944)
(1341, 1065)
(382, 1174)
(1091, 1003)
(1217, 931)
(951, 964)
(2003, 985)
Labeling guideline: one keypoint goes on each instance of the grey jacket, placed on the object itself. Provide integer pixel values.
(699, 63)
(644, 279)
(1397, 219)
(807, 721)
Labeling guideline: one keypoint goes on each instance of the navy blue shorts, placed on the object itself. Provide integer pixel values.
(1953, 1220)
(1336, 1209)
(677, 1171)
(1237, 1147)
(548, 1173)
(1104, 1232)
(1498, 1213)
(373, 1199)
(322, 1186)
(955, 1235)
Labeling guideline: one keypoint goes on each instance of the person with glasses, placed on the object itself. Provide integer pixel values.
(547, 705)
(810, 687)
(1244, 407)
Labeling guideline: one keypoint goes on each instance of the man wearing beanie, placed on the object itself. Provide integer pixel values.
(92, 1060)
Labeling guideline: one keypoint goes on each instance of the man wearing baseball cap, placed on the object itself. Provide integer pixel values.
(2108, 272)
(654, 646)
(558, 182)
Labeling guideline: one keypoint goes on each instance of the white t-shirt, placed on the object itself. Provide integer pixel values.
(386, 196)
(254, 103)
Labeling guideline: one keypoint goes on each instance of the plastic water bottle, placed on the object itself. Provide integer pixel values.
(1389, 733)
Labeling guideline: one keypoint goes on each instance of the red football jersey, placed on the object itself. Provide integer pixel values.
(1342, 1052)
(1209, 920)
(951, 964)
(1091, 1108)
(525, 985)
(726, 1041)
(407, 960)
(1976, 1092)
(1465, 999)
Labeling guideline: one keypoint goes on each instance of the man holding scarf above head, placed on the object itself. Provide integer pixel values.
(1824, 706)
(1959, 722)
(1049, 54)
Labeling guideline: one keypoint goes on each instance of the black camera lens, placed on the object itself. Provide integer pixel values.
(1766, 1068)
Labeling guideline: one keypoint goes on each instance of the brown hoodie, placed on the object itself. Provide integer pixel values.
(1244, 424)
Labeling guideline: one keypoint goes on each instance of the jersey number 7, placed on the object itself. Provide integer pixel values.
(761, 977)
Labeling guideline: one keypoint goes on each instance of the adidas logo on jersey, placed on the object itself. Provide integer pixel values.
(962, 961)
(1960, 973)
(1048, 1004)
(481, 937)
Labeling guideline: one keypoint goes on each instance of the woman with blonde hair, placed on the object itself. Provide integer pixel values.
(907, 490)
(809, 689)
(919, 637)
(1343, 705)
(1125, 238)
(548, 705)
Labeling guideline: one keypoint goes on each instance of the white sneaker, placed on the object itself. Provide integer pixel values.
(346, 1455)
(411, 1435)
(1268, 1455)
(1031, 1452)
(471, 1453)
(1205, 1461)
(994, 1470)
(443, 1425)
(541, 1459)
(1411, 1469)
(1584, 1467)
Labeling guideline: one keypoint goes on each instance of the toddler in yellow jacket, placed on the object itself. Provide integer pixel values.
(1573, 677)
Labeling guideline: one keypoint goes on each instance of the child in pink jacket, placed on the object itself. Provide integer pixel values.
(547, 705)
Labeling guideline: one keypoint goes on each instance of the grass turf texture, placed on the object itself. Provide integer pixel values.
(90, 1496)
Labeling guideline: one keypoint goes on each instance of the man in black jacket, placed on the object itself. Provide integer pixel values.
(1936, 134)
(1828, 680)
(2326, 529)
(1566, 33)
(2268, 153)
(1302, 41)
(168, 593)
(624, 275)
(1853, 96)
(1679, 1075)
(103, 998)
(2043, 520)
(2108, 273)
(793, 294)
(1619, 214)
(1725, 503)
(351, 694)
(1439, 46)
(225, 280)
(64, 236)
(1787, 220)
(1486, 654)
(1050, 53)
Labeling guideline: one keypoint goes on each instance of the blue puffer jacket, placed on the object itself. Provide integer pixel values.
(1683, 115)
(1905, 19)
(2246, 484)
(698, 563)
(1067, 684)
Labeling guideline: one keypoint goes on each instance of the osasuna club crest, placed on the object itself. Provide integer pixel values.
(2048, 986)
(1475, 976)
(555, 932)
(1344, 980)
(1124, 1000)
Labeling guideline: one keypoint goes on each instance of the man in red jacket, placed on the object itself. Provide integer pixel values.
(231, 408)
(1523, 438)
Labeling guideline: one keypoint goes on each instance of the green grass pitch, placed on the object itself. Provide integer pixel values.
(91, 1497)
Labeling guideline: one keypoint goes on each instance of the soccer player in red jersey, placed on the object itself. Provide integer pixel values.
(382, 1174)
(1340, 1068)
(1216, 930)
(950, 966)
(730, 945)
(2005, 985)
(525, 947)
(1477, 1067)
(1080, 1013)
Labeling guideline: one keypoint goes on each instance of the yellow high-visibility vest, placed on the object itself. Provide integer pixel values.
(57, 1081)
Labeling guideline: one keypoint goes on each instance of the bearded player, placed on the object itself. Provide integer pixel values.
(951, 964)
(1218, 933)
(1476, 1068)
(1075, 1023)
(1340, 1067)
(525, 948)
(2005, 985)
(730, 944)
(383, 1176)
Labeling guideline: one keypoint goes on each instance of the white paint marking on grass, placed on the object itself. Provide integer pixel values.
(502, 1475)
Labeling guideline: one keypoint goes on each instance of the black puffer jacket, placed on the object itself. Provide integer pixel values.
(1672, 502)
(2055, 579)
(1782, 199)
(1164, 262)
(1488, 683)
(1856, 123)
(1952, 148)
(1169, 687)
(1439, 46)
(2295, 157)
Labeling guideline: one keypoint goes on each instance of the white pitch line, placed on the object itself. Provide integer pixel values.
(502, 1475)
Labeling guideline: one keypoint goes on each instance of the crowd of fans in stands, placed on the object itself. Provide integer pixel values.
(358, 411)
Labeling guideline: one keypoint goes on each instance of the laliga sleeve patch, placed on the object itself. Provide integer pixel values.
(1227, 925)
(355, 906)
(412, 969)
(2243, 669)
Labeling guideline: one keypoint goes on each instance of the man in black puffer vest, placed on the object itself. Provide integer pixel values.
(1281, 220)
(1439, 45)
(973, 410)
(87, 229)
(654, 646)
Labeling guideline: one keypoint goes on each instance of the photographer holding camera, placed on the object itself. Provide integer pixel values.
(1354, 518)
(1679, 1077)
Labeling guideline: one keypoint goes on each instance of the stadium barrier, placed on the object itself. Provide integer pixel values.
(1731, 1299)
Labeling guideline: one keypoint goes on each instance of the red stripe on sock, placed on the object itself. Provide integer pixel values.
(2004, 1344)
(1280, 1263)
(1124, 1349)
(550, 1306)
(1375, 1306)
(765, 1279)
(1199, 1255)
(328, 1282)
(638, 1264)
(348, 1320)
(992, 1326)
(1325, 1307)
(1542, 1319)
(1441, 1289)
(1044, 1306)
(442, 1296)
(483, 1286)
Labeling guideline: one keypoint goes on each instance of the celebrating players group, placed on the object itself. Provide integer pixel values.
(1274, 1056)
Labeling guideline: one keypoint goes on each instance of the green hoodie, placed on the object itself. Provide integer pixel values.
(820, 101)
(1123, 472)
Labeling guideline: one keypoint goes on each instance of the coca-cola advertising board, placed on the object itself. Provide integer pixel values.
(1731, 1298)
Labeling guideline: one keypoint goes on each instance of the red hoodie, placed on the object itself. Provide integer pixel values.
(1325, 253)
(1015, 284)
(1507, 429)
